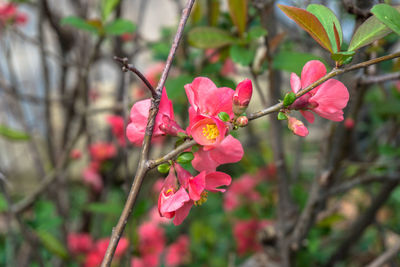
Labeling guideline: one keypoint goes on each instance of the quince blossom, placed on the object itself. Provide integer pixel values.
(140, 114)
(327, 100)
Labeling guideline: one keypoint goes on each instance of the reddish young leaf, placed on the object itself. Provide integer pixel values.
(337, 38)
(309, 23)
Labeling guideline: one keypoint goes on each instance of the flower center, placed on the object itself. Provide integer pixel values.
(210, 131)
(203, 199)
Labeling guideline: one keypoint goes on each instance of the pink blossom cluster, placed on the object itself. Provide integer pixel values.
(10, 15)
(326, 100)
(117, 127)
(181, 189)
(82, 245)
(99, 153)
(245, 233)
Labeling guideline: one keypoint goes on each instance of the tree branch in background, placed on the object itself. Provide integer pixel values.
(143, 163)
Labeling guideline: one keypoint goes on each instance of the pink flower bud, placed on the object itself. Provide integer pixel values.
(349, 123)
(297, 127)
(242, 121)
(170, 127)
(241, 97)
(75, 154)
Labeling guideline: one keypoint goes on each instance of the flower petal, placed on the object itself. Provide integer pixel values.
(312, 71)
(295, 82)
(308, 115)
(182, 213)
(217, 179)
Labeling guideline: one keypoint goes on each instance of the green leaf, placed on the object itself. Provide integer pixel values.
(175, 85)
(80, 24)
(388, 15)
(282, 116)
(328, 20)
(224, 116)
(13, 134)
(293, 61)
(107, 8)
(110, 208)
(214, 11)
(241, 55)
(371, 30)
(185, 157)
(3, 203)
(331, 220)
(289, 99)
(52, 244)
(344, 57)
(119, 26)
(163, 168)
(238, 12)
(256, 32)
(209, 37)
(309, 23)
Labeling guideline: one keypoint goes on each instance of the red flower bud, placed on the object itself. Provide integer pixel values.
(242, 121)
(297, 127)
(242, 96)
(349, 123)
(170, 127)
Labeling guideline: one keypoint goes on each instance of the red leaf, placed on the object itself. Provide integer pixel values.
(309, 23)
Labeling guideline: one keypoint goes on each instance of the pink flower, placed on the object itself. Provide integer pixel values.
(79, 243)
(245, 233)
(137, 262)
(75, 154)
(139, 115)
(95, 256)
(170, 127)
(178, 252)
(151, 243)
(349, 123)
(9, 14)
(241, 97)
(174, 201)
(92, 178)
(241, 191)
(327, 100)
(117, 128)
(297, 127)
(102, 151)
(207, 99)
(230, 150)
(228, 67)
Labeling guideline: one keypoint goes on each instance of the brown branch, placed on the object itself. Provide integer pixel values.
(333, 73)
(359, 226)
(380, 78)
(386, 256)
(172, 154)
(130, 67)
(346, 186)
(143, 163)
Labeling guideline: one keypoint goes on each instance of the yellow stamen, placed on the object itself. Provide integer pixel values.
(203, 199)
(211, 131)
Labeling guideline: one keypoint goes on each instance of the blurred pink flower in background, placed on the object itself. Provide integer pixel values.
(117, 127)
(10, 15)
(92, 178)
(101, 151)
(75, 154)
(178, 252)
(79, 243)
(349, 123)
(151, 243)
(245, 234)
(96, 254)
(241, 191)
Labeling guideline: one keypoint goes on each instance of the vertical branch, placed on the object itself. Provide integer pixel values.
(285, 205)
(143, 163)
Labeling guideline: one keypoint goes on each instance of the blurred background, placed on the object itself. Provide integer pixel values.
(66, 165)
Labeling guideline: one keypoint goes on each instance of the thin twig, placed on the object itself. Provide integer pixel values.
(172, 154)
(386, 256)
(380, 78)
(333, 73)
(130, 67)
(143, 163)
